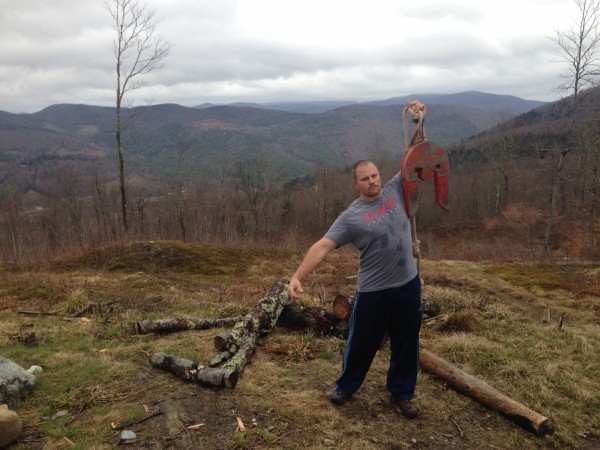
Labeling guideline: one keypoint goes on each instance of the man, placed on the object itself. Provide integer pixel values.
(388, 296)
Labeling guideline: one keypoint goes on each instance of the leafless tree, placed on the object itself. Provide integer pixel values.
(500, 154)
(579, 48)
(556, 177)
(182, 145)
(259, 185)
(11, 200)
(588, 140)
(138, 51)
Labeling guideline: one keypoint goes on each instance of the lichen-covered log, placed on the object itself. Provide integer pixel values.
(261, 321)
(317, 320)
(173, 325)
(195, 372)
(485, 394)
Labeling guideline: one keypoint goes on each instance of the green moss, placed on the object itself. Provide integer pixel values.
(214, 261)
(567, 277)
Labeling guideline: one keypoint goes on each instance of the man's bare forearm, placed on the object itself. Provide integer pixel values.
(315, 255)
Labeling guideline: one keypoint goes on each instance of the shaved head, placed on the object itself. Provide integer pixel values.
(361, 163)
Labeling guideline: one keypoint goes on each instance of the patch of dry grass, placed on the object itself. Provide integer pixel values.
(491, 325)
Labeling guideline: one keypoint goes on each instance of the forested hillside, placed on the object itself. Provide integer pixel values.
(213, 138)
(237, 175)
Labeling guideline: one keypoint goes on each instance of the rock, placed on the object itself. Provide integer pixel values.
(35, 370)
(15, 382)
(61, 413)
(10, 426)
(128, 436)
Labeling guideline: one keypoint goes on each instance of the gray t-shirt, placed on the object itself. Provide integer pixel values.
(381, 231)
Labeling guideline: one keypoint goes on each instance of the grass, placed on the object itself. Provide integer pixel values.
(491, 325)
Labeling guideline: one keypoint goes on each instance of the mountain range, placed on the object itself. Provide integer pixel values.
(208, 140)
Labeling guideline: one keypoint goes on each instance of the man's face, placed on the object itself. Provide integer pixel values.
(368, 182)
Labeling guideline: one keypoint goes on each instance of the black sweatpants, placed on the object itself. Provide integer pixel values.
(399, 311)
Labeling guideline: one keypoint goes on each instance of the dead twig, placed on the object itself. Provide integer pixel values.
(91, 307)
(38, 313)
(135, 422)
(105, 321)
(457, 427)
(560, 321)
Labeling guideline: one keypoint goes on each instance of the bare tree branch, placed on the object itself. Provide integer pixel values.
(579, 48)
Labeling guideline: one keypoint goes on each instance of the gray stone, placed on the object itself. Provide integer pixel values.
(35, 370)
(10, 426)
(128, 436)
(15, 383)
(61, 413)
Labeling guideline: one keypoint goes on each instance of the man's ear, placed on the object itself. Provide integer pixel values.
(354, 184)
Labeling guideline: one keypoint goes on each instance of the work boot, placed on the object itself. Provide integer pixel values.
(339, 398)
(406, 407)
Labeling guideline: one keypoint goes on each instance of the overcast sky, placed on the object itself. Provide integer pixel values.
(61, 51)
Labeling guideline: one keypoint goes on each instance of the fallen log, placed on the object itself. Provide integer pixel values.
(195, 372)
(317, 320)
(292, 317)
(485, 394)
(241, 342)
(342, 307)
(237, 347)
(179, 324)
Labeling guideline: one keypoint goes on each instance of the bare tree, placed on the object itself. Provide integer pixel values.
(11, 200)
(183, 143)
(138, 51)
(259, 183)
(556, 177)
(588, 141)
(500, 154)
(579, 48)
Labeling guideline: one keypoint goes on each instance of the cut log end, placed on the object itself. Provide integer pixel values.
(222, 341)
(546, 428)
(342, 307)
(542, 427)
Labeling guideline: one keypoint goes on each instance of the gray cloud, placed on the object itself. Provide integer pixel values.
(269, 50)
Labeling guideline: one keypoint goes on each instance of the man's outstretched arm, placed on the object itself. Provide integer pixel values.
(315, 255)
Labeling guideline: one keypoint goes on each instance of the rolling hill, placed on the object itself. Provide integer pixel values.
(213, 139)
